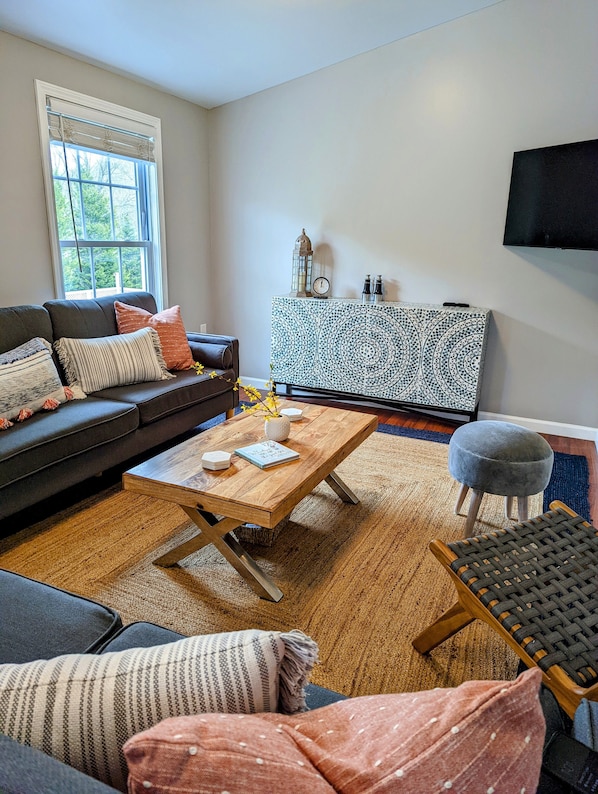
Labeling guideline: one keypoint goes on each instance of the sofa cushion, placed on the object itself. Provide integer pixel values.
(25, 770)
(158, 400)
(95, 364)
(87, 318)
(29, 382)
(316, 697)
(81, 708)
(482, 736)
(140, 634)
(19, 324)
(48, 438)
(169, 325)
(40, 621)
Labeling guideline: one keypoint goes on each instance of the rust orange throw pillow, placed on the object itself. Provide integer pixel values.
(483, 736)
(169, 325)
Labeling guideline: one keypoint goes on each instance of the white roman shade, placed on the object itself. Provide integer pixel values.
(69, 122)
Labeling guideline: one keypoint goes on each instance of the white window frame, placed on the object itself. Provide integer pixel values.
(131, 119)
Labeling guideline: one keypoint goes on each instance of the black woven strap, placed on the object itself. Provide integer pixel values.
(541, 575)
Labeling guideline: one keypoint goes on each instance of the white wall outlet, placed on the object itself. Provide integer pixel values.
(203, 328)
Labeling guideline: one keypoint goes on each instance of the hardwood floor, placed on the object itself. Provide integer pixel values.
(571, 446)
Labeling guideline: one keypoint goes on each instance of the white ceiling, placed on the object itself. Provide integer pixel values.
(215, 51)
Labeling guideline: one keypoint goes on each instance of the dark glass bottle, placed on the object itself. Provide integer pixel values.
(378, 296)
(367, 290)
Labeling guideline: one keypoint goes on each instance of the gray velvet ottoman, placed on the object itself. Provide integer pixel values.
(499, 458)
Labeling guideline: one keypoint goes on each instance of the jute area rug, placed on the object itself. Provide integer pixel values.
(359, 578)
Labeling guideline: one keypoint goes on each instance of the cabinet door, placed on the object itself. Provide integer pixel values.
(453, 344)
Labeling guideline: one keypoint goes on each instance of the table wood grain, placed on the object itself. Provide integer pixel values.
(323, 438)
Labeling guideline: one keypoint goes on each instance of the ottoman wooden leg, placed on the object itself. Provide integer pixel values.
(474, 506)
(522, 508)
(461, 498)
(508, 506)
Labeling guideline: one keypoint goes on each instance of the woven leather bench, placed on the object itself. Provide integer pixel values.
(536, 584)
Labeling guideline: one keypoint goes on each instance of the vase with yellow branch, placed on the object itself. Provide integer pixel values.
(277, 427)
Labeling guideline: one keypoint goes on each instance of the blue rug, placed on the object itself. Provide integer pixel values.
(570, 480)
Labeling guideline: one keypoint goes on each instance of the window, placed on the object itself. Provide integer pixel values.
(103, 189)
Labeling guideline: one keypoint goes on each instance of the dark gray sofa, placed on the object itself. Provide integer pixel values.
(57, 449)
(40, 622)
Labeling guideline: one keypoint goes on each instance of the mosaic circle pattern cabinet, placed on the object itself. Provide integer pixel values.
(407, 354)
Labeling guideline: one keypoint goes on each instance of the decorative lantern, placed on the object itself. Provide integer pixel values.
(302, 263)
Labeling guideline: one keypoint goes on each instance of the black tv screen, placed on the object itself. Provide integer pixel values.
(553, 199)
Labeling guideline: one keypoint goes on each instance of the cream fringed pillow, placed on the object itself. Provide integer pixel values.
(81, 708)
(483, 736)
(105, 361)
(29, 382)
(169, 325)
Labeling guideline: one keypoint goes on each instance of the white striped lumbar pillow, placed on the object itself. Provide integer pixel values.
(105, 361)
(82, 708)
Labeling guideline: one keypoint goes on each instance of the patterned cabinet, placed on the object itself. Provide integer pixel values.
(412, 354)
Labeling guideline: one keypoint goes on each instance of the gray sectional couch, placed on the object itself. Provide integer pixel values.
(42, 622)
(54, 450)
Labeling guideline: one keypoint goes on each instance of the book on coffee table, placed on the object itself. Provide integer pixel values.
(267, 453)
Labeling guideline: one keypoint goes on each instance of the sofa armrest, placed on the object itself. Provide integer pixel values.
(215, 351)
(40, 621)
(25, 770)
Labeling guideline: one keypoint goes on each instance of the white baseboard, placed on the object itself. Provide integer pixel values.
(539, 425)
(545, 426)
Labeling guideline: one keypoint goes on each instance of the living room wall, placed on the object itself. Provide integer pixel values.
(26, 264)
(398, 162)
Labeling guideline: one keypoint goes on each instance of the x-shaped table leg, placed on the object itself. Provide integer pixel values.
(218, 532)
(341, 489)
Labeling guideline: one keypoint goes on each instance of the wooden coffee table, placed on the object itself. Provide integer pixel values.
(220, 501)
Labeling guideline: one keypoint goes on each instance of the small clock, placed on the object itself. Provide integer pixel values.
(321, 287)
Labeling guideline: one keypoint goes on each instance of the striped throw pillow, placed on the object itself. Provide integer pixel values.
(82, 708)
(169, 325)
(105, 361)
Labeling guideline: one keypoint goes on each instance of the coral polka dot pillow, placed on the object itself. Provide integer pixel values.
(483, 736)
(168, 324)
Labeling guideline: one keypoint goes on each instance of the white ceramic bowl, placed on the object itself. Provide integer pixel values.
(293, 414)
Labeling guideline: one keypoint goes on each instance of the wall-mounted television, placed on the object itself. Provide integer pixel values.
(553, 199)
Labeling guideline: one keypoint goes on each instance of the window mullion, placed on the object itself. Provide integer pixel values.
(143, 220)
(81, 204)
(112, 224)
(111, 193)
(92, 267)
